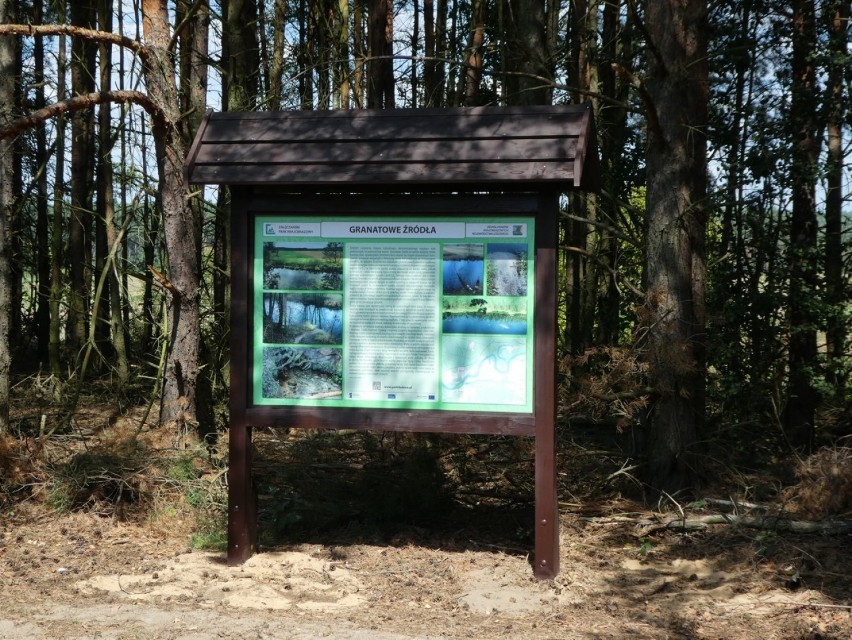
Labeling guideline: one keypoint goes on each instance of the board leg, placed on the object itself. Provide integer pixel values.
(242, 506)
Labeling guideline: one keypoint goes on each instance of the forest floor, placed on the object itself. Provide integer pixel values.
(112, 533)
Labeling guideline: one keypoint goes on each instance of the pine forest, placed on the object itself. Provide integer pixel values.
(704, 294)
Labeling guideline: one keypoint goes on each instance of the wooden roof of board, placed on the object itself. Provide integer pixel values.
(483, 148)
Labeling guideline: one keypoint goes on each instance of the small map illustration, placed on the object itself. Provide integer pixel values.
(484, 370)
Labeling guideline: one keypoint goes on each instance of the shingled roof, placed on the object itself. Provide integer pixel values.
(473, 148)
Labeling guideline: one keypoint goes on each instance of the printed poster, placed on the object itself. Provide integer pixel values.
(408, 313)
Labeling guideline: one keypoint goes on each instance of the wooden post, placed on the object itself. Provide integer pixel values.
(242, 507)
(546, 563)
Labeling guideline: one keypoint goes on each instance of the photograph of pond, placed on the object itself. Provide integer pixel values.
(303, 266)
(463, 269)
(303, 318)
(298, 372)
(494, 316)
(507, 269)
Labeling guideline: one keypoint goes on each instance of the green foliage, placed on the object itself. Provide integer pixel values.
(184, 468)
(213, 537)
(206, 496)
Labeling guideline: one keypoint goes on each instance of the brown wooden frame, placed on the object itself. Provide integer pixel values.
(244, 416)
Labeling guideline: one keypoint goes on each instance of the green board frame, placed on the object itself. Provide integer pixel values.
(394, 312)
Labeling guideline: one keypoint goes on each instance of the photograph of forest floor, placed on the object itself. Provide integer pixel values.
(114, 528)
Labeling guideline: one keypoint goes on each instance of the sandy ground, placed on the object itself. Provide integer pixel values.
(84, 576)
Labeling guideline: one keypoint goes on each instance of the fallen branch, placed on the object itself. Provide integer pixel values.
(645, 526)
(736, 504)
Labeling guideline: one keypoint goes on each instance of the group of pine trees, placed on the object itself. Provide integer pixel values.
(718, 250)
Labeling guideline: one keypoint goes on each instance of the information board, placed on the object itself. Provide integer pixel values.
(394, 312)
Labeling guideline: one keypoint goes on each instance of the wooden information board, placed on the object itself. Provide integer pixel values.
(395, 271)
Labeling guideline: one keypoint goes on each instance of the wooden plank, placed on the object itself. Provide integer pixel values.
(422, 421)
(389, 151)
(342, 114)
(194, 148)
(420, 173)
(402, 124)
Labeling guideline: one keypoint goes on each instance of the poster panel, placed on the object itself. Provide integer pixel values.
(400, 313)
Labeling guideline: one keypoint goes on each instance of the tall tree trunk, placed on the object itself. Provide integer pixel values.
(580, 275)
(472, 76)
(275, 98)
(452, 47)
(358, 80)
(194, 38)
(323, 39)
(103, 185)
(241, 60)
(240, 93)
(341, 63)
(42, 317)
(380, 84)
(57, 225)
(7, 205)
(616, 49)
(676, 226)
(179, 226)
(429, 64)
(305, 56)
(529, 57)
(151, 242)
(111, 314)
(837, 17)
(442, 54)
(802, 395)
(415, 47)
(82, 174)
(16, 253)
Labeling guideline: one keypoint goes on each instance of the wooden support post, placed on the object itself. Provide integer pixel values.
(546, 563)
(242, 506)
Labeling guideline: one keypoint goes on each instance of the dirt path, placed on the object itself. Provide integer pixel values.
(81, 576)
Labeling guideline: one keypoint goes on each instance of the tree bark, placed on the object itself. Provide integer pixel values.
(472, 76)
(179, 226)
(82, 177)
(676, 227)
(112, 300)
(612, 116)
(342, 71)
(7, 205)
(837, 17)
(358, 80)
(275, 98)
(529, 57)
(42, 317)
(802, 395)
(194, 37)
(380, 83)
(56, 242)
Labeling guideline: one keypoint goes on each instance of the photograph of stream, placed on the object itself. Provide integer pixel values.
(303, 318)
(303, 266)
